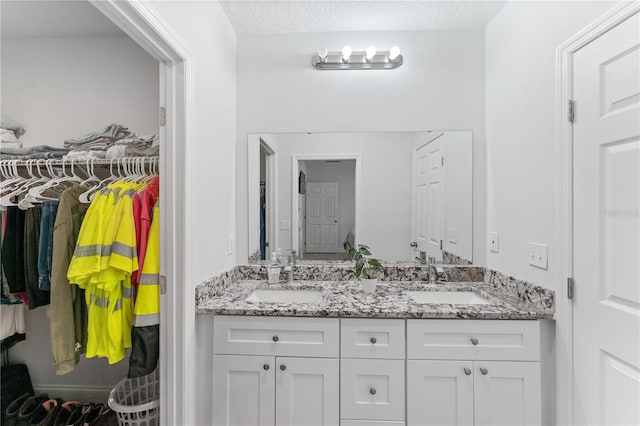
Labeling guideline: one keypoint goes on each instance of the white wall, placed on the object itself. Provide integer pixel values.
(458, 194)
(440, 86)
(344, 174)
(207, 35)
(385, 219)
(60, 88)
(520, 108)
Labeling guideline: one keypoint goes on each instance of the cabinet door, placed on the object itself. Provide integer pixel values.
(439, 393)
(507, 393)
(243, 390)
(307, 392)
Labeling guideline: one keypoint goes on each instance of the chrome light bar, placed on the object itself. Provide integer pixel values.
(347, 59)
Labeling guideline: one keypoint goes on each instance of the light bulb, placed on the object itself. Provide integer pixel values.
(394, 53)
(323, 53)
(370, 53)
(346, 53)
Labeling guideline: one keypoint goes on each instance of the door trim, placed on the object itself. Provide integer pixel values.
(564, 200)
(295, 170)
(177, 313)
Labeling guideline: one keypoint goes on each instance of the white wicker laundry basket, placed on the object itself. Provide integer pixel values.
(137, 401)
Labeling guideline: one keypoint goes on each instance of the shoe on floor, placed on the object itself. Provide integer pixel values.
(30, 406)
(103, 417)
(65, 411)
(77, 416)
(11, 413)
(46, 413)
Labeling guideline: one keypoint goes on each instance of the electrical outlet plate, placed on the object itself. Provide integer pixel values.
(232, 244)
(494, 242)
(539, 255)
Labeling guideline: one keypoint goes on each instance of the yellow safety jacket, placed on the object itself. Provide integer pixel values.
(147, 305)
(104, 258)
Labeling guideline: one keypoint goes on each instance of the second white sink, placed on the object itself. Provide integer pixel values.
(285, 296)
(448, 297)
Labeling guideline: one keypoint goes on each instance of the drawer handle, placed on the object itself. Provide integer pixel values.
(372, 391)
(474, 341)
(467, 371)
(275, 338)
(373, 340)
(283, 367)
(265, 367)
(484, 371)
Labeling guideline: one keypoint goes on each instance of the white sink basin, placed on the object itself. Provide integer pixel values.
(285, 296)
(449, 297)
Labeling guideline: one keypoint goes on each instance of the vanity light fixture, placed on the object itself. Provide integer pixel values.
(348, 59)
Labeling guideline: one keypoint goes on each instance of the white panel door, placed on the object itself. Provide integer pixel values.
(507, 393)
(322, 218)
(606, 149)
(429, 197)
(439, 393)
(307, 392)
(243, 390)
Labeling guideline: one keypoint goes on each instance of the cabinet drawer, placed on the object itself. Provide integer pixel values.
(305, 337)
(372, 338)
(372, 389)
(344, 422)
(481, 340)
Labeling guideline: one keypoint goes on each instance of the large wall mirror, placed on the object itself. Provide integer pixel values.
(404, 194)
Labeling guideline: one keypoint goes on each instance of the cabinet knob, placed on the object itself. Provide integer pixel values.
(283, 367)
(474, 341)
(484, 371)
(467, 371)
(373, 340)
(372, 391)
(265, 367)
(275, 338)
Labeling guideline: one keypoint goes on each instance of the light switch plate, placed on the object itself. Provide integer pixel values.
(494, 242)
(285, 225)
(538, 255)
(452, 235)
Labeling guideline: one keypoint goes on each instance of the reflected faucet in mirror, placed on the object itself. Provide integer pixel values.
(326, 191)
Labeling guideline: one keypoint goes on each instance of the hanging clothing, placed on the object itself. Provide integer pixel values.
(32, 222)
(143, 204)
(13, 250)
(145, 334)
(68, 307)
(45, 254)
(103, 261)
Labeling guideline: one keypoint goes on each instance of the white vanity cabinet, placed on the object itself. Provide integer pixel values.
(482, 386)
(275, 371)
(380, 372)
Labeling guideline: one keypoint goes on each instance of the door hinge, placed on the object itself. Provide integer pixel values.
(440, 244)
(570, 288)
(163, 116)
(163, 284)
(571, 114)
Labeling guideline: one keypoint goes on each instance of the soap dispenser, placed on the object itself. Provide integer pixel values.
(273, 271)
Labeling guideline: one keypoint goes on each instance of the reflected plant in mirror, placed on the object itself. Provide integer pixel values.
(402, 192)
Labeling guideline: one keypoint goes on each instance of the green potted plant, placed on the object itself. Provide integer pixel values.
(366, 267)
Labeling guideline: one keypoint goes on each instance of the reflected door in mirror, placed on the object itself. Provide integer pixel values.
(322, 218)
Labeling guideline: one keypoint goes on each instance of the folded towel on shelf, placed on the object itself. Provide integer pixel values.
(8, 139)
(114, 141)
(109, 134)
(85, 155)
(8, 124)
(32, 153)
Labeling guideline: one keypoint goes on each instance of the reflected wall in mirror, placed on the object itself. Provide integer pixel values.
(407, 195)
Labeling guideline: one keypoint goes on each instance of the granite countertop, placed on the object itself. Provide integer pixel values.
(344, 299)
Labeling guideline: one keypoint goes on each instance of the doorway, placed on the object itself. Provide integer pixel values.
(325, 205)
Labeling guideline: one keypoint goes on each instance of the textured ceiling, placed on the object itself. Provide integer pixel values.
(53, 19)
(301, 16)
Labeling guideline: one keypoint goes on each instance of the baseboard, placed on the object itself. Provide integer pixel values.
(97, 394)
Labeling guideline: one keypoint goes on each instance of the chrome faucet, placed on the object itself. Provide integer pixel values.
(433, 270)
(423, 258)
